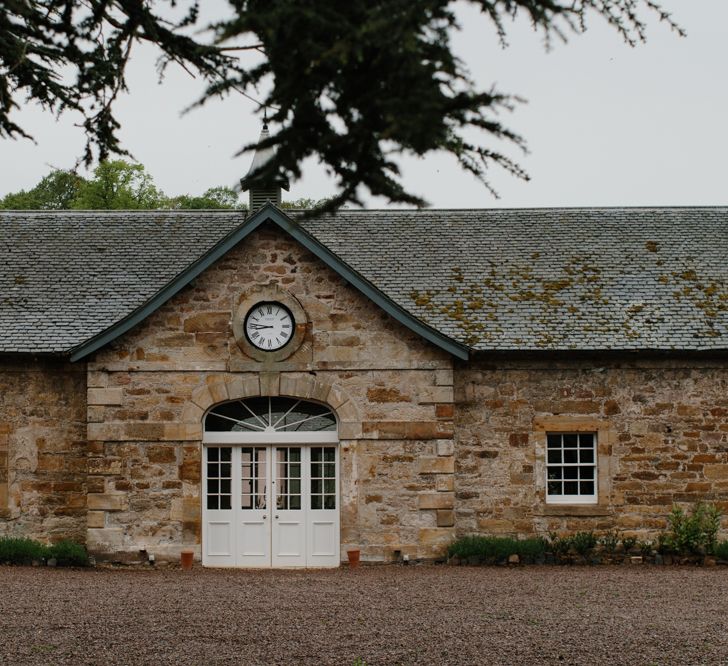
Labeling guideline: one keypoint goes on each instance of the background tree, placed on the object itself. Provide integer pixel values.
(214, 197)
(117, 185)
(354, 83)
(56, 191)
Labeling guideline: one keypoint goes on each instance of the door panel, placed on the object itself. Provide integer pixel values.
(289, 519)
(253, 515)
(323, 515)
(218, 526)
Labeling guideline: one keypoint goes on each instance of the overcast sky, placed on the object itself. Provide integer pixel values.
(606, 125)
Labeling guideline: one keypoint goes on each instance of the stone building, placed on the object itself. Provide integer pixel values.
(272, 389)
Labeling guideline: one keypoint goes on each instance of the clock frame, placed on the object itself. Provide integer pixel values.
(265, 295)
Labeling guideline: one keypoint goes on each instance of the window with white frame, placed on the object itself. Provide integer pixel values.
(571, 468)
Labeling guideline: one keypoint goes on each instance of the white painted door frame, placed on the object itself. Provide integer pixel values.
(269, 536)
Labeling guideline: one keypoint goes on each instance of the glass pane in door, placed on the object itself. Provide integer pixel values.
(288, 478)
(219, 479)
(323, 477)
(253, 478)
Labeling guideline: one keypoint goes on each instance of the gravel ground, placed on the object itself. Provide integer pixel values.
(635, 616)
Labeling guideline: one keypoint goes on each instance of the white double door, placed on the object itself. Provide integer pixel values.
(270, 506)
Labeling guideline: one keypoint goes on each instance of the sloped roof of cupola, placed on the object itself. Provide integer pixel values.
(262, 156)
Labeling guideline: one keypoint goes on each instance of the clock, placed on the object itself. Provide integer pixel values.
(269, 325)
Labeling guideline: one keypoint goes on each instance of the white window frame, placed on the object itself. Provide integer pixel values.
(574, 499)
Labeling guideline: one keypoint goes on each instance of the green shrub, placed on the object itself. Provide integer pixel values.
(610, 541)
(628, 543)
(26, 551)
(21, 551)
(494, 549)
(692, 532)
(645, 547)
(559, 545)
(69, 554)
(721, 550)
(583, 542)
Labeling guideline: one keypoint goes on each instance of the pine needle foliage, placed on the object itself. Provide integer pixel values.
(352, 83)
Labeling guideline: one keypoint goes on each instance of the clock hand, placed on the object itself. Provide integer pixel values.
(259, 326)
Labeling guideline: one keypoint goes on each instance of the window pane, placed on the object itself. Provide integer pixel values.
(316, 454)
(571, 472)
(570, 440)
(225, 486)
(295, 470)
(329, 502)
(226, 454)
(587, 473)
(225, 470)
(213, 486)
(329, 470)
(571, 455)
(554, 441)
(295, 455)
(315, 501)
(554, 456)
(587, 487)
(213, 469)
(586, 440)
(554, 472)
(295, 502)
(295, 486)
(316, 486)
(246, 502)
(586, 455)
(225, 502)
(316, 470)
(213, 454)
(554, 487)
(571, 487)
(329, 454)
(212, 502)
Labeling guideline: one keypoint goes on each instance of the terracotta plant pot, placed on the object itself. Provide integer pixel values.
(186, 557)
(353, 556)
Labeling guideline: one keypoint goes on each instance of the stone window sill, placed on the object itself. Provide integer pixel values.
(573, 510)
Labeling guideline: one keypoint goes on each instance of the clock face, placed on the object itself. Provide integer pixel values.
(269, 325)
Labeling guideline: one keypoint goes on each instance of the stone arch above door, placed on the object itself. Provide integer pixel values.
(220, 388)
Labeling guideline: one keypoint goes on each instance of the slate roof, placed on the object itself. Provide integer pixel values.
(493, 279)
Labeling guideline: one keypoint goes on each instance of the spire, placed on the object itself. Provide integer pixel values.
(260, 193)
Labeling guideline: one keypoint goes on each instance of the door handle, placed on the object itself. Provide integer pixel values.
(264, 517)
(276, 516)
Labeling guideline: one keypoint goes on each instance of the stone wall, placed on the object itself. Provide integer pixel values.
(42, 449)
(662, 430)
(392, 392)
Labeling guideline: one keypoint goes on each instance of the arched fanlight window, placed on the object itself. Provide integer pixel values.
(270, 415)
